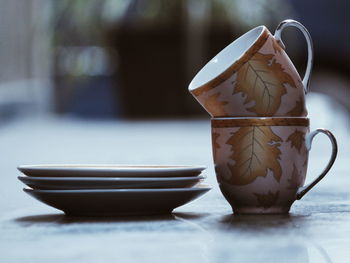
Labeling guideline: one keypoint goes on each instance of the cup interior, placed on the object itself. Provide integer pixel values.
(225, 58)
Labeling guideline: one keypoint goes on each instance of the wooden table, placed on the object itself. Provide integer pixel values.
(316, 230)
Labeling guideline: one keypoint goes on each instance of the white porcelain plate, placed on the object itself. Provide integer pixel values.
(110, 170)
(118, 202)
(66, 183)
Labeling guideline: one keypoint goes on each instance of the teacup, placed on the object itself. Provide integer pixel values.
(254, 77)
(261, 163)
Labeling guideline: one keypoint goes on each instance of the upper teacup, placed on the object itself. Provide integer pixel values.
(254, 77)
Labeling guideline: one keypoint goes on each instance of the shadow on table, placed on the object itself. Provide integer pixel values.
(278, 238)
(63, 219)
(262, 222)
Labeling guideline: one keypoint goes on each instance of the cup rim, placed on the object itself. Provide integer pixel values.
(262, 121)
(243, 58)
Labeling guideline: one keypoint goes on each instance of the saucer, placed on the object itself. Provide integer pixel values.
(66, 183)
(116, 202)
(67, 170)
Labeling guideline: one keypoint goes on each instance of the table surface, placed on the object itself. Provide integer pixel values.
(316, 230)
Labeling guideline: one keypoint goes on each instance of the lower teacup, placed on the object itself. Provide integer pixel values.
(261, 163)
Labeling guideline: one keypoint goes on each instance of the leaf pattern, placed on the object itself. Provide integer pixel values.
(294, 181)
(267, 200)
(255, 151)
(299, 108)
(216, 145)
(296, 139)
(276, 46)
(262, 77)
(215, 106)
(305, 163)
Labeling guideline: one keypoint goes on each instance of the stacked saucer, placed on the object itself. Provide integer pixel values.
(102, 190)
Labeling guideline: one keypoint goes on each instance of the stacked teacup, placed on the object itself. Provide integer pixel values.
(260, 129)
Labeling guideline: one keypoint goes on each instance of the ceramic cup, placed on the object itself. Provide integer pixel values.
(261, 163)
(253, 76)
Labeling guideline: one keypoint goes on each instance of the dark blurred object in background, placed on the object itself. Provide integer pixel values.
(149, 40)
(155, 47)
(328, 23)
(135, 58)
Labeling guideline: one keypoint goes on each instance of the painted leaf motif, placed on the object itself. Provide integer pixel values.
(255, 152)
(296, 139)
(276, 46)
(263, 78)
(201, 91)
(215, 106)
(216, 145)
(267, 200)
(305, 163)
(294, 181)
(298, 109)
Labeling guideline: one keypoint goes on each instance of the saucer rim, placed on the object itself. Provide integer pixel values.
(199, 188)
(110, 179)
(113, 167)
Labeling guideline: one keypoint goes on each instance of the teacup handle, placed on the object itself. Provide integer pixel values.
(310, 49)
(308, 141)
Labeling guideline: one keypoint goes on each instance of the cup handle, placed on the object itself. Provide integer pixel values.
(308, 141)
(310, 49)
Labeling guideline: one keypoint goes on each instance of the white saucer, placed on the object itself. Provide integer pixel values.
(66, 170)
(66, 183)
(118, 202)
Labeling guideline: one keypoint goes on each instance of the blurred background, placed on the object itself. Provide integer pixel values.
(75, 74)
(135, 58)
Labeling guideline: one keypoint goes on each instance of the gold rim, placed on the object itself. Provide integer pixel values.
(227, 123)
(235, 66)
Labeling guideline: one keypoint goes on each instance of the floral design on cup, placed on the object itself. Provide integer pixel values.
(263, 80)
(267, 200)
(298, 109)
(255, 150)
(296, 139)
(295, 180)
(259, 82)
(216, 146)
(217, 106)
(261, 163)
